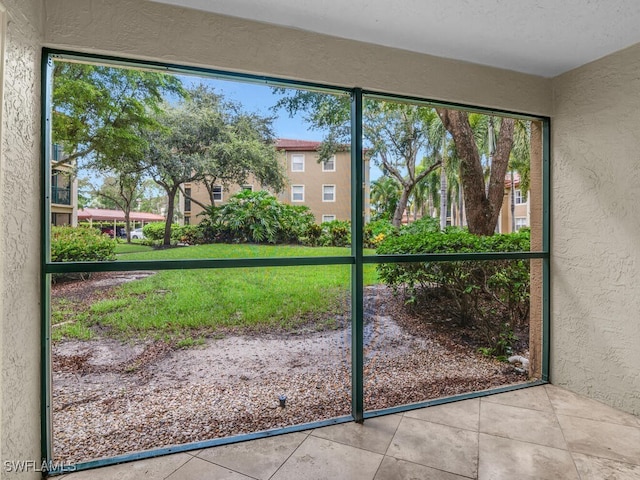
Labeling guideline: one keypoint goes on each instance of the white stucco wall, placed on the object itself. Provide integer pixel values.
(595, 302)
(595, 170)
(148, 30)
(20, 238)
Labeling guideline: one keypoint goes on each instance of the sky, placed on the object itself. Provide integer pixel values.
(259, 99)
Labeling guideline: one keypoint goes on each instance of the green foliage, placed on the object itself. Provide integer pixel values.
(188, 234)
(78, 244)
(102, 109)
(492, 295)
(257, 217)
(336, 233)
(376, 231)
(155, 231)
(423, 226)
(190, 304)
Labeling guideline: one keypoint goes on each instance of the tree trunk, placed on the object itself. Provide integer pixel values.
(171, 198)
(443, 197)
(482, 205)
(401, 206)
(127, 222)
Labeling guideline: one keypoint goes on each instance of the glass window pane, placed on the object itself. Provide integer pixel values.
(440, 329)
(152, 359)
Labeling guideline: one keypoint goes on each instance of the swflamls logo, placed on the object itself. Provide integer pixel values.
(22, 466)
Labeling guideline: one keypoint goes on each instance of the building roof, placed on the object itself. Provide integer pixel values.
(101, 214)
(300, 145)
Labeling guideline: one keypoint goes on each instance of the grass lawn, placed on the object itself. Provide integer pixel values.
(182, 304)
(133, 247)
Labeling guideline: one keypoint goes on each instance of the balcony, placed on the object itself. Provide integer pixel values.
(61, 195)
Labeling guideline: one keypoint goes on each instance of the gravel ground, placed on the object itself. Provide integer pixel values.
(111, 398)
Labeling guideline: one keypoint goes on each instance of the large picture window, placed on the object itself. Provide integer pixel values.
(383, 288)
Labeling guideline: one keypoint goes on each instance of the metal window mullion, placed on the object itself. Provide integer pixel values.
(357, 281)
(546, 242)
(46, 70)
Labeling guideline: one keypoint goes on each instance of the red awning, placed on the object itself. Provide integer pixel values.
(104, 215)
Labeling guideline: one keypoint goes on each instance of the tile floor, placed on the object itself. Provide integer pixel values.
(537, 433)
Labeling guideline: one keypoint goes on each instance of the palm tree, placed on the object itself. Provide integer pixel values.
(385, 194)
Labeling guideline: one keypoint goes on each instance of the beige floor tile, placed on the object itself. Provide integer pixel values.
(523, 424)
(148, 469)
(197, 469)
(320, 459)
(535, 398)
(256, 458)
(438, 446)
(601, 439)
(568, 403)
(396, 469)
(594, 468)
(464, 414)
(506, 459)
(374, 435)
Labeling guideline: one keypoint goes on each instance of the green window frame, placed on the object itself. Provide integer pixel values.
(356, 259)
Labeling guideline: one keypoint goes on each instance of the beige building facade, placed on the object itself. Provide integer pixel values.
(594, 111)
(324, 187)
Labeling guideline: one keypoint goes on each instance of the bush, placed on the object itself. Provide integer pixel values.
(188, 234)
(492, 295)
(423, 226)
(336, 233)
(153, 231)
(256, 217)
(80, 244)
(376, 231)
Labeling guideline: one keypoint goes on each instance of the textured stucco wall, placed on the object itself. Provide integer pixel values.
(148, 30)
(20, 237)
(596, 230)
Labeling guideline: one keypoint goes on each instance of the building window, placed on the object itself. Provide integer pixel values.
(329, 165)
(297, 193)
(521, 222)
(187, 220)
(187, 201)
(217, 193)
(60, 188)
(328, 218)
(297, 163)
(520, 197)
(328, 193)
(247, 188)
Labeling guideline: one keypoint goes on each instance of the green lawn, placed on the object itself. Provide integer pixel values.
(183, 304)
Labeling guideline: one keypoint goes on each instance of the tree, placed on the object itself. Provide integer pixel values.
(239, 145)
(206, 139)
(123, 191)
(395, 135)
(482, 202)
(175, 153)
(99, 111)
(385, 194)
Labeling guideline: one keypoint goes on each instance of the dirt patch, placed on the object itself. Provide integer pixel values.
(111, 397)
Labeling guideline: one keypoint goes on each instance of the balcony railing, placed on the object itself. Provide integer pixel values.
(61, 196)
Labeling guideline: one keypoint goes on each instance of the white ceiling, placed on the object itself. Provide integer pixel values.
(541, 37)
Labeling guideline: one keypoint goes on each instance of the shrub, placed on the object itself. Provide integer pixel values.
(492, 295)
(154, 231)
(376, 231)
(256, 217)
(336, 233)
(188, 234)
(423, 226)
(79, 244)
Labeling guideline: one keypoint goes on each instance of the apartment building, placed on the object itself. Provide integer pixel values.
(64, 190)
(513, 219)
(323, 186)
